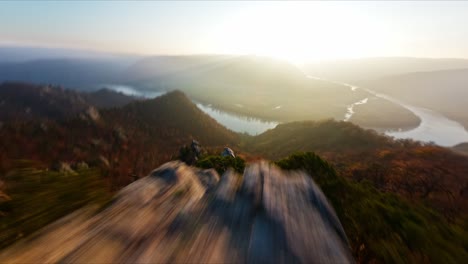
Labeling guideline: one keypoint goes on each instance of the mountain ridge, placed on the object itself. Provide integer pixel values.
(31, 101)
(104, 137)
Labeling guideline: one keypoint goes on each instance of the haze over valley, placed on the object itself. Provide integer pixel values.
(272, 90)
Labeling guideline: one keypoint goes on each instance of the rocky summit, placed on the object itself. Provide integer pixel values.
(184, 214)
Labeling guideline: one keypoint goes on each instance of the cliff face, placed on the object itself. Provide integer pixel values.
(183, 214)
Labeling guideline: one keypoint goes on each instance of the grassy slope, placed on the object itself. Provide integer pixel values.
(38, 197)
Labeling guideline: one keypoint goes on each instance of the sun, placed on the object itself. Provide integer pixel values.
(297, 32)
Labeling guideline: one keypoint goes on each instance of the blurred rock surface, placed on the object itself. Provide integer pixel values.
(181, 214)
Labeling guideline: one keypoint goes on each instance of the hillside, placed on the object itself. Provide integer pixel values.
(264, 88)
(443, 91)
(253, 86)
(71, 157)
(223, 81)
(382, 115)
(321, 136)
(149, 68)
(461, 148)
(113, 139)
(413, 170)
(27, 101)
(23, 101)
(106, 98)
(175, 112)
(383, 227)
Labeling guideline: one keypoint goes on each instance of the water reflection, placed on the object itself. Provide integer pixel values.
(350, 110)
(237, 123)
(242, 124)
(434, 127)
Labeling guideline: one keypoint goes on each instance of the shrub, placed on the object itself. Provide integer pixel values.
(381, 226)
(221, 164)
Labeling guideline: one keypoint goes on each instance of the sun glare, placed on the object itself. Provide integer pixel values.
(299, 32)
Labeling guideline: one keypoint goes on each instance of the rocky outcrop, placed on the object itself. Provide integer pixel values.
(180, 214)
(227, 152)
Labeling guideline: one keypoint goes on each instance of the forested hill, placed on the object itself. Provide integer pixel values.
(28, 101)
(256, 83)
(434, 175)
(175, 112)
(23, 101)
(124, 141)
(321, 136)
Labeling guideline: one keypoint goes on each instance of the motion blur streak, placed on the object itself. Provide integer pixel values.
(183, 214)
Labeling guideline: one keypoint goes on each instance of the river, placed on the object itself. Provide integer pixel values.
(242, 124)
(237, 123)
(350, 108)
(434, 127)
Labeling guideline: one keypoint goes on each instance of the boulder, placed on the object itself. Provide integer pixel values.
(227, 152)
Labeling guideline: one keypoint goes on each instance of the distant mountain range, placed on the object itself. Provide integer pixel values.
(258, 86)
(17, 54)
(354, 70)
(27, 101)
(247, 85)
(254, 86)
(80, 74)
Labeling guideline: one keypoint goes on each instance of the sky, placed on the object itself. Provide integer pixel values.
(297, 31)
